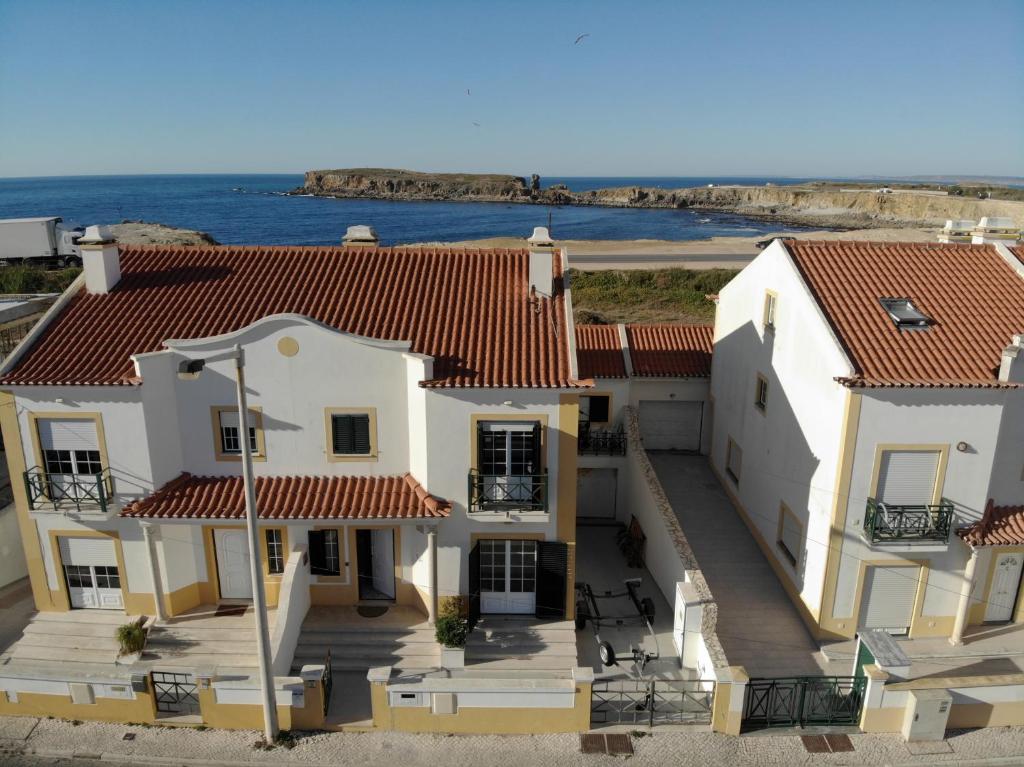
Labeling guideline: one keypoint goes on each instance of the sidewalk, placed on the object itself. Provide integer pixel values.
(56, 739)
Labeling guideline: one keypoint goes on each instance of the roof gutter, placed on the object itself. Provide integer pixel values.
(44, 322)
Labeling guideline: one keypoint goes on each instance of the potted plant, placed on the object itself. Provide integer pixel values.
(452, 631)
(132, 639)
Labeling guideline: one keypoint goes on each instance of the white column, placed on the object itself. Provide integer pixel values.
(151, 534)
(963, 608)
(432, 574)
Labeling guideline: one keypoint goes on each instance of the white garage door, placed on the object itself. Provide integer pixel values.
(90, 571)
(595, 493)
(671, 425)
(888, 601)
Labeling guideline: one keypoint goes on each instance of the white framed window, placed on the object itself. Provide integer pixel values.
(761, 393)
(771, 300)
(275, 551)
(228, 433)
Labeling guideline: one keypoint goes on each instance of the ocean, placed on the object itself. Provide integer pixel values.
(246, 209)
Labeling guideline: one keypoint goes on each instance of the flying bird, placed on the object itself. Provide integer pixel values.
(467, 91)
(476, 124)
(578, 39)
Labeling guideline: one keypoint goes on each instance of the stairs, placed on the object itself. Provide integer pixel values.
(77, 636)
(360, 647)
(186, 646)
(521, 643)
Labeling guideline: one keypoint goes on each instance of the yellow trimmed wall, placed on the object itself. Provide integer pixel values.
(142, 709)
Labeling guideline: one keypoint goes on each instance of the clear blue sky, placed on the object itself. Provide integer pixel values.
(767, 87)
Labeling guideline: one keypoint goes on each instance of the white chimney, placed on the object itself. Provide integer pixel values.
(360, 235)
(542, 251)
(995, 229)
(1011, 366)
(101, 259)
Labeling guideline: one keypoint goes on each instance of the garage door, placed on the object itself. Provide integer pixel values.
(671, 425)
(888, 600)
(90, 571)
(595, 493)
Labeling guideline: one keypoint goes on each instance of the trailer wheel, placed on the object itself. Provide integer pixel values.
(647, 607)
(581, 615)
(607, 653)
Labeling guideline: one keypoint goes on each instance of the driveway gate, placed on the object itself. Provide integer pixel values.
(175, 693)
(651, 701)
(803, 700)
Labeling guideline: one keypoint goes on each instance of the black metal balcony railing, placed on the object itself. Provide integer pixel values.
(498, 492)
(600, 442)
(64, 492)
(908, 522)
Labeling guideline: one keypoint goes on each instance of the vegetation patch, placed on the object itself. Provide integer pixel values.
(646, 295)
(33, 279)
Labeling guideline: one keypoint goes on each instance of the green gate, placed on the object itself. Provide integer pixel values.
(803, 701)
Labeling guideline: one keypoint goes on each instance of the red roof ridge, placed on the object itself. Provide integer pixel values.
(998, 526)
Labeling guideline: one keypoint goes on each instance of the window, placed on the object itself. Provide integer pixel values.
(733, 460)
(770, 301)
(351, 434)
(107, 577)
(904, 314)
(79, 576)
(510, 449)
(595, 408)
(323, 552)
(228, 433)
(790, 535)
(275, 552)
(908, 477)
(761, 396)
(492, 565)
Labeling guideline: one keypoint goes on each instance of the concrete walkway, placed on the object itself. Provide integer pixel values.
(758, 625)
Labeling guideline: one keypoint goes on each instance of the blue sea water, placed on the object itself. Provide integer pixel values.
(245, 209)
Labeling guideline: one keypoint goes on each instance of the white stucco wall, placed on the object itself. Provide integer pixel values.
(12, 554)
(790, 451)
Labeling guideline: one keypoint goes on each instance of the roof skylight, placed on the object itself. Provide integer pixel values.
(904, 314)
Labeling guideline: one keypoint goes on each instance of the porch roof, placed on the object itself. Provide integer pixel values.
(189, 497)
(999, 526)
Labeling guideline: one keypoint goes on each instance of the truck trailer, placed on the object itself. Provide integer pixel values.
(44, 240)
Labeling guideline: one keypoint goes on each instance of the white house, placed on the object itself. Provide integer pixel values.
(868, 406)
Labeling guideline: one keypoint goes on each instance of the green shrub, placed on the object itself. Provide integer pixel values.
(131, 637)
(33, 279)
(451, 631)
(451, 607)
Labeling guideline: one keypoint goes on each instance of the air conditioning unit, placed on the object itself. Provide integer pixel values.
(926, 715)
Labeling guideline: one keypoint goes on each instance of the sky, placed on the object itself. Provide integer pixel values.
(680, 88)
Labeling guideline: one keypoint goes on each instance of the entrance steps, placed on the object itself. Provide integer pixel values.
(521, 643)
(75, 636)
(358, 648)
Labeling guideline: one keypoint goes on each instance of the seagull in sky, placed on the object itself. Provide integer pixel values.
(467, 91)
(578, 39)
(476, 124)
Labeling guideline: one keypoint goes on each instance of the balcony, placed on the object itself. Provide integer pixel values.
(67, 492)
(501, 493)
(600, 441)
(885, 522)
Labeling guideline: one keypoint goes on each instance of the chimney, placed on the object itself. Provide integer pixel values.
(542, 251)
(956, 230)
(361, 235)
(101, 259)
(1011, 366)
(993, 229)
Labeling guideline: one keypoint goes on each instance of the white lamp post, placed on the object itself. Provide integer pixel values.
(190, 370)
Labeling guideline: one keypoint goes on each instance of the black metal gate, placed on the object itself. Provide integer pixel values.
(803, 701)
(327, 681)
(175, 693)
(651, 701)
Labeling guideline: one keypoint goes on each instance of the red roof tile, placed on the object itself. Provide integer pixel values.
(469, 309)
(973, 296)
(670, 351)
(1018, 251)
(189, 497)
(1000, 526)
(599, 352)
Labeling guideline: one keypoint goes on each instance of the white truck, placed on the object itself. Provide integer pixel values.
(45, 241)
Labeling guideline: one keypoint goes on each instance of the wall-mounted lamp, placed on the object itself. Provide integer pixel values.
(963, 447)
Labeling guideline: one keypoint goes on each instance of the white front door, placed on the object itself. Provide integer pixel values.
(1005, 584)
(91, 574)
(508, 577)
(233, 569)
(382, 543)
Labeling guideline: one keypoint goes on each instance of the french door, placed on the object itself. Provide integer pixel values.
(508, 576)
(510, 461)
(70, 447)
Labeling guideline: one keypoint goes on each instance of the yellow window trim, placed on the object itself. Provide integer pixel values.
(62, 596)
(769, 297)
(210, 551)
(37, 446)
(917, 619)
(940, 474)
(793, 557)
(261, 444)
(542, 418)
(333, 457)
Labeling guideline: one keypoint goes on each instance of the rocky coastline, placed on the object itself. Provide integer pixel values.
(819, 205)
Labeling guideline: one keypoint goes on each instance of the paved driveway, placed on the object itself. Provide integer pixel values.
(758, 626)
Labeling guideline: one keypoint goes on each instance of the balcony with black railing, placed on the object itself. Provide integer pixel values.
(68, 492)
(600, 441)
(503, 493)
(885, 522)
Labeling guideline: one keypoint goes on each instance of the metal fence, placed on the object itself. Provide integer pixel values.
(175, 693)
(651, 701)
(803, 701)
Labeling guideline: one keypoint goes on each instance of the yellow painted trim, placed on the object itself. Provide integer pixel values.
(917, 620)
(97, 418)
(209, 590)
(977, 612)
(237, 716)
(335, 590)
(940, 473)
(785, 511)
(568, 463)
(591, 394)
(333, 457)
(63, 598)
(261, 443)
(141, 709)
(882, 719)
(26, 525)
(542, 418)
(970, 715)
(837, 534)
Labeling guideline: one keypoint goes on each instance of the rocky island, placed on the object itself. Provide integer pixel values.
(822, 204)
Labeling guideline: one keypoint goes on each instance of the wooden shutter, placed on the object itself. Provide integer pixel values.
(889, 595)
(552, 579)
(474, 583)
(908, 476)
(317, 554)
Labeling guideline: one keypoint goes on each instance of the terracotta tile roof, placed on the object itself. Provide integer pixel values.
(599, 352)
(1018, 251)
(1000, 526)
(670, 351)
(973, 296)
(469, 309)
(189, 497)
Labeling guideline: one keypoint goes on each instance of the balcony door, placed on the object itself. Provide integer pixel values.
(509, 460)
(508, 576)
(69, 447)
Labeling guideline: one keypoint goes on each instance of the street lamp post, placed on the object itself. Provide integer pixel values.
(190, 369)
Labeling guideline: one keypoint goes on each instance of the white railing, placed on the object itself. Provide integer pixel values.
(292, 606)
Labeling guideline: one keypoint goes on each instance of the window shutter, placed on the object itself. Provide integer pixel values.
(350, 434)
(361, 434)
(537, 466)
(908, 476)
(474, 582)
(598, 409)
(68, 434)
(317, 555)
(552, 578)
